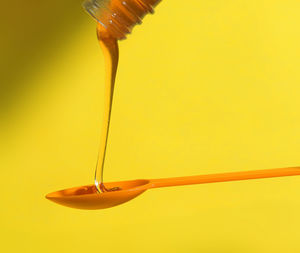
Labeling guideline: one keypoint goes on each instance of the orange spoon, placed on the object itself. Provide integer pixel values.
(87, 197)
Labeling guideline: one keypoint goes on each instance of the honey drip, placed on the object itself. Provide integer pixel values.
(116, 18)
(110, 51)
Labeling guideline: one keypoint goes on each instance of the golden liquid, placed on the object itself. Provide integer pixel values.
(118, 18)
(110, 50)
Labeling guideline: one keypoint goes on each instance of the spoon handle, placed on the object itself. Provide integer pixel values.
(225, 177)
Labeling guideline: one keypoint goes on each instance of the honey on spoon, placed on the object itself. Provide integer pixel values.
(115, 19)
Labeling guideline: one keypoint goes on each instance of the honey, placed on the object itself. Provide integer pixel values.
(116, 19)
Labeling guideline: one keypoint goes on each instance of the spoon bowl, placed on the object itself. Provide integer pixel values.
(87, 197)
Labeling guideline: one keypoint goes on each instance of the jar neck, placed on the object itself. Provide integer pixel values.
(118, 17)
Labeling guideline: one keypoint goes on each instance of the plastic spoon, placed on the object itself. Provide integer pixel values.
(87, 197)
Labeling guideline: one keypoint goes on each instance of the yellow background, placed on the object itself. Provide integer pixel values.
(203, 86)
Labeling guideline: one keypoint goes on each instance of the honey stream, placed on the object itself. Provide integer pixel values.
(116, 18)
(110, 51)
